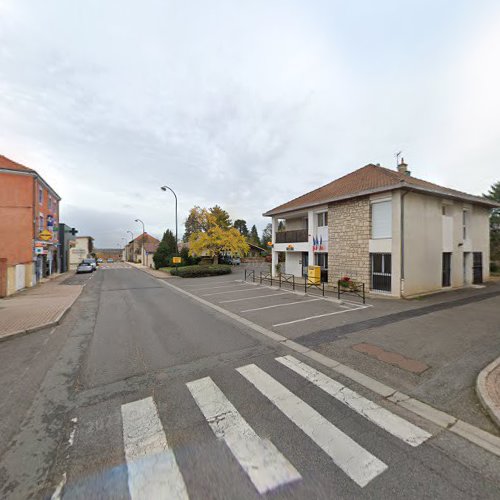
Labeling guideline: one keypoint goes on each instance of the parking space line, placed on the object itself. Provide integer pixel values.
(220, 286)
(190, 285)
(229, 291)
(318, 316)
(250, 298)
(280, 305)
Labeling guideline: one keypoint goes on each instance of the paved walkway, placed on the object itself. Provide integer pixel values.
(151, 271)
(35, 308)
(488, 389)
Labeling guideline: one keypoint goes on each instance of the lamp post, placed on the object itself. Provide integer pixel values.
(143, 231)
(133, 246)
(164, 188)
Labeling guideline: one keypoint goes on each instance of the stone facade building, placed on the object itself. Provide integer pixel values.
(399, 235)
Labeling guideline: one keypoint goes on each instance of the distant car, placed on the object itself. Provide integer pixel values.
(84, 267)
(235, 261)
(99, 260)
(92, 262)
(110, 260)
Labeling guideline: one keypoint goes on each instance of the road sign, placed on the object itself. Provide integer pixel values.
(176, 260)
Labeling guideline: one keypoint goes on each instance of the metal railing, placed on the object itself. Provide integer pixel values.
(250, 273)
(353, 288)
(287, 278)
(293, 236)
(266, 277)
(308, 283)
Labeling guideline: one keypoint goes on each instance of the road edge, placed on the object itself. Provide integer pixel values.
(491, 406)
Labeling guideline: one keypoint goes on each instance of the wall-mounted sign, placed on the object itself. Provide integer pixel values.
(39, 250)
(290, 247)
(45, 235)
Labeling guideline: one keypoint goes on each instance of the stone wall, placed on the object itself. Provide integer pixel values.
(348, 240)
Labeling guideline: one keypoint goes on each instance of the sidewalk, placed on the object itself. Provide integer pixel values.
(35, 308)
(488, 389)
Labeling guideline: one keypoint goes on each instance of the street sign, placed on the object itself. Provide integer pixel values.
(45, 235)
(176, 260)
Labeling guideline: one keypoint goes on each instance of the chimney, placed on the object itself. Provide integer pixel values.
(403, 168)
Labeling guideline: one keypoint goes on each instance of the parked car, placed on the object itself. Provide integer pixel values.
(235, 261)
(92, 262)
(85, 267)
(99, 261)
(110, 260)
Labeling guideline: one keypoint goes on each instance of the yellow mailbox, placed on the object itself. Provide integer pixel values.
(314, 274)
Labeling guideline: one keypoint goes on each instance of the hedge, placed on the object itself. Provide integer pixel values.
(201, 271)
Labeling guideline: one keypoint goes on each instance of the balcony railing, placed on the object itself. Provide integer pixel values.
(295, 236)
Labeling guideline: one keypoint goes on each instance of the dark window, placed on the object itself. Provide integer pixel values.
(381, 272)
(477, 267)
(321, 260)
(446, 279)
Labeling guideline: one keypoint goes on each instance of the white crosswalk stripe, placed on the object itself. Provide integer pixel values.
(266, 467)
(151, 465)
(394, 424)
(360, 465)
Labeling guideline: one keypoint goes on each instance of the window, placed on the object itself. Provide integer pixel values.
(321, 259)
(381, 272)
(322, 219)
(443, 209)
(50, 202)
(446, 279)
(382, 219)
(465, 220)
(40, 223)
(40, 195)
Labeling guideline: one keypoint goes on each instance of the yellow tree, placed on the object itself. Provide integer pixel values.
(216, 240)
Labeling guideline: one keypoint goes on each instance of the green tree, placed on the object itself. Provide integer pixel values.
(267, 235)
(241, 226)
(193, 223)
(494, 194)
(165, 251)
(221, 217)
(254, 236)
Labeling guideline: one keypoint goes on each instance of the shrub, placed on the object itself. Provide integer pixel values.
(201, 271)
(494, 267)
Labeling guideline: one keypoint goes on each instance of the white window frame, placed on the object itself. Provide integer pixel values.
(324, 219)
(381, 231)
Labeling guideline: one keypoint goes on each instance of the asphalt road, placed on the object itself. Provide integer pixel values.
(143, 392)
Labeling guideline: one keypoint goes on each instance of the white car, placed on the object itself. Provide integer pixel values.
(84, 267)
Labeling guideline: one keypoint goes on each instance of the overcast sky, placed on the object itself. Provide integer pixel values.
(245, 104)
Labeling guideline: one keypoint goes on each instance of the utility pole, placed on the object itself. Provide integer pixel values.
(164, 188)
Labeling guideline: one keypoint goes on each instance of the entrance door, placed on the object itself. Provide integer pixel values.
(446, 278)
(305, 263)
(381, 272)
(477, 268)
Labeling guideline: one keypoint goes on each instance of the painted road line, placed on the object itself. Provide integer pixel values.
(395, 425)
(252, 298)
(360, 465)
(280, 305)
(152, 468)
(317, 316)
(234, 285)
(266, 467)
(230, 291)
(192, 285)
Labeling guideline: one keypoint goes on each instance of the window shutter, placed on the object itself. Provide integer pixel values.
(382, 219)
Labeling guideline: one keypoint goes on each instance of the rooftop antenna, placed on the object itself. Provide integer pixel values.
(397, 155)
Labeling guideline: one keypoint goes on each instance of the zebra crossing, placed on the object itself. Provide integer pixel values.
(151, 463)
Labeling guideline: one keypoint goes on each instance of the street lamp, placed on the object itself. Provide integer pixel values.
(133, 245)
(143, 231)
(164, 188)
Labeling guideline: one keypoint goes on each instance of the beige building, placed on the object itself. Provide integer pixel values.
(80, 249)
(141, 249)
(399, 235)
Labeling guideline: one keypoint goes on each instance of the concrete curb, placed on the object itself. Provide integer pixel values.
(491, 406)
(57, 321)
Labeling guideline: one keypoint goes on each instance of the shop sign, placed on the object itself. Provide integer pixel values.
(45, 235)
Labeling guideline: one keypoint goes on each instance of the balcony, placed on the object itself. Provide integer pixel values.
(295, 236)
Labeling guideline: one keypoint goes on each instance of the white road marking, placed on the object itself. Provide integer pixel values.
(57, 492)
(192, 285)
(360, 465)
(235, 285)
(151, 464)
(266, 467)
(395, 425)
(317, 316)
(280, 305)
(251, 298)
(229, 291)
